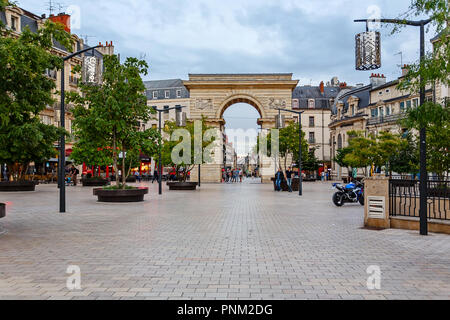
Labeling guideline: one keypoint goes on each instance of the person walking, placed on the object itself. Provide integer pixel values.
(240, 175)
(75, 173)
(155, 175)
(278, 179)
(289, 178)
(138, 177)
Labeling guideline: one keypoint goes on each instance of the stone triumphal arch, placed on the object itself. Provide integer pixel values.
(211, 94)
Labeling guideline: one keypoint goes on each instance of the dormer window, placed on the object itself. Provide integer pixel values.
(311, 104)
(178, 93)
(155, 94)
(167, 94)
(14, 23)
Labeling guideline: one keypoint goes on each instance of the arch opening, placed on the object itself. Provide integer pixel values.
(241, 130)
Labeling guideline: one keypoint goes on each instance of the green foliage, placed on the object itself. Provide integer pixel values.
(107, 118)
(25, 91)
(436, 119)
(436, 65)
(311, 163)
(406, 158)
(168, 146)
(380, 150)
(363, 150)
(119, 187)
(288, 144)
(340, 157)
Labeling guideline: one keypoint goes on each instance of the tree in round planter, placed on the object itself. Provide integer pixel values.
(25, 91)
(107, 124)
(288, 148)
(179, 151)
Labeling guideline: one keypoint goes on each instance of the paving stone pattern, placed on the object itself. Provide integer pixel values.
(229, 241)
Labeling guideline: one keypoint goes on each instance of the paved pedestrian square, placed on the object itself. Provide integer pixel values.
(224, 241)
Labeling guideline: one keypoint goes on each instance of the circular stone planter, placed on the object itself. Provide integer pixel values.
(127, 195)
(182, 185)
(13, 186)
(2, 210)
(94, 182)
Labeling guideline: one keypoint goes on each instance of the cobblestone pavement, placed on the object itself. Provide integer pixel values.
(234, 241)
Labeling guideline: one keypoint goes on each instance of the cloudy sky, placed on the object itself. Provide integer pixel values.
(313, 39)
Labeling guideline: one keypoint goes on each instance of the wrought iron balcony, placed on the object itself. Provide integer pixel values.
(385, 119)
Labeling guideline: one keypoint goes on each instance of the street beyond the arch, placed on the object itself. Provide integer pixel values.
(226, 241)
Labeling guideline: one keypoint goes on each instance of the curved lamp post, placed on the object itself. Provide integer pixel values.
(181, 122)
(62, 144)
(422, 136)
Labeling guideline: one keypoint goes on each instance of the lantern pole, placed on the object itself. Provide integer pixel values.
(300, 178)
(62, 144)
(159, 144)
(422, 132)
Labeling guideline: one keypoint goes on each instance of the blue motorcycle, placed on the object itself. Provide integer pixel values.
(351, 192)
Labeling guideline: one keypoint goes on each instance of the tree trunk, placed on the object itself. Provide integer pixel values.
(116, 169)
(123, 169)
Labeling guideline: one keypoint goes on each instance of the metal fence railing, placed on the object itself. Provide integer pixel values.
(404, 198)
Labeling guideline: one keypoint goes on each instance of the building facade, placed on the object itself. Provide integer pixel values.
(316, 103)
(16, 20)
(373, 108)
(388, 105)
(349, 112)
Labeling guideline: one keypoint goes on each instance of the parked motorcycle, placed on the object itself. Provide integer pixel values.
(351, 192)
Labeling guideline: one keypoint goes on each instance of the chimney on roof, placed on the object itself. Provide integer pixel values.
(405, 69)
(377, 79)
(107, 49)
(63, 19)
(343, 85)
(321, 87)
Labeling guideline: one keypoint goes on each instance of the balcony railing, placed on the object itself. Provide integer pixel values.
(385, 119)
(73, 80)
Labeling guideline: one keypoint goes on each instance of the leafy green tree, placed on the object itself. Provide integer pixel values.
(186, 135)
(387, 144)
(312, 162)
(436, 65)
(108, 116)
(363, 151)
(433, 70)
(340, 157)
(25, 91)
(406, 158)
(288, 145)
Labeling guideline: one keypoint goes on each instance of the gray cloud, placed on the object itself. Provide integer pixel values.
(312, 39)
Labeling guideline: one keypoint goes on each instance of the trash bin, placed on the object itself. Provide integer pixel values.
(2, 210)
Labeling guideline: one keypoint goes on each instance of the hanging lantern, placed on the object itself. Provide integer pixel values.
(92, 70)
(368, 50)
(280, 121)
(180, 118)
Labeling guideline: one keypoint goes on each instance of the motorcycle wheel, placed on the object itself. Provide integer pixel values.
(361, 200)
(337, 199)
